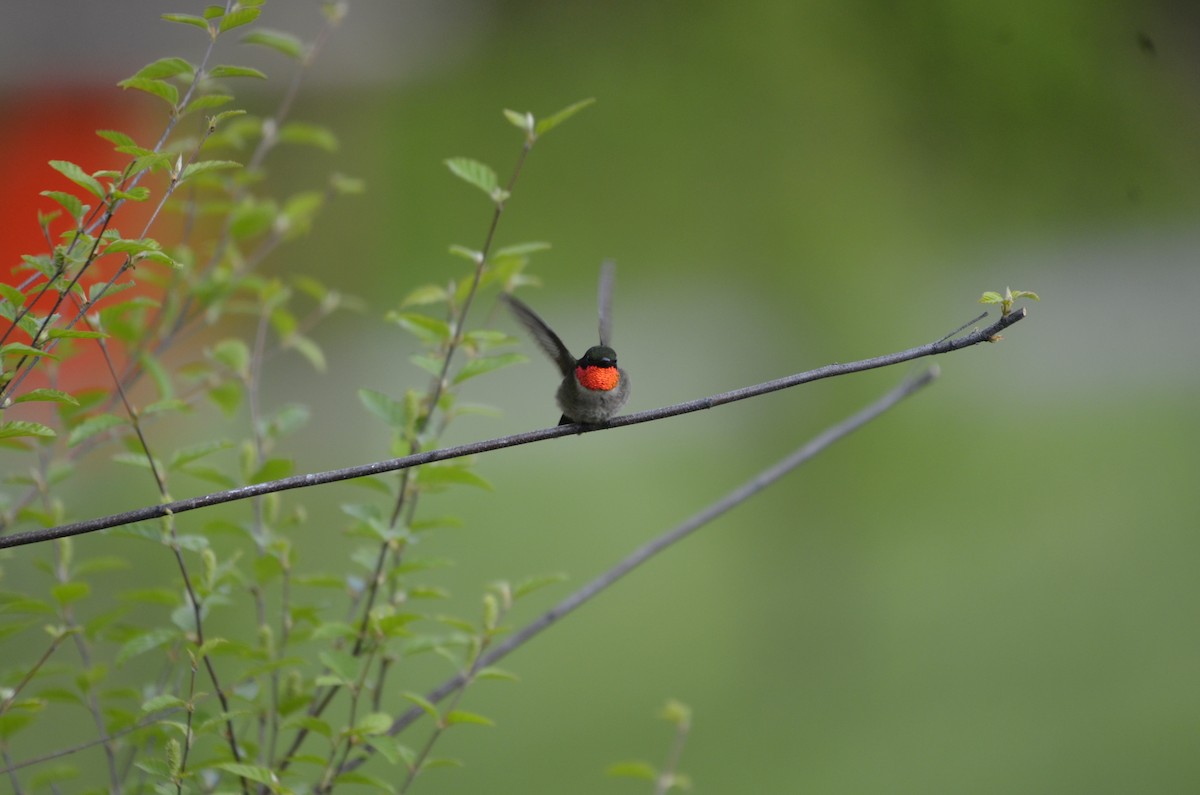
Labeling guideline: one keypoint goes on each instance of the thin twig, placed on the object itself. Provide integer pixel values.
(653, 547)
(528, 437)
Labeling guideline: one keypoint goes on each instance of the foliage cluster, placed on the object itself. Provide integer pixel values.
(300, 698)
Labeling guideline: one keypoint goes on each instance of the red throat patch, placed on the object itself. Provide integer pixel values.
(599, 379)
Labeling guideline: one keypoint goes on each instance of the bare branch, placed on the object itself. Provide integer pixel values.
(653, 547)
(989, 334)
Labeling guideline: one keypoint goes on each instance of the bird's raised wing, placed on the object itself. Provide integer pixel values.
(542, 334)
(608, 271)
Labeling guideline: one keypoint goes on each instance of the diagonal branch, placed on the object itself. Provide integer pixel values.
(945, 345)
(656, 545)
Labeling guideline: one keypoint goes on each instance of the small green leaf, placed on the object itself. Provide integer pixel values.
(18, 428)
(475, 173)
(296, 132)
(389, 410)
(522, 121)
(425, 704)
(425, 328)
(272, 469)
(124, 246)
(116, 137)
(234, 354)
(235, 71)
(187, 19)
(75, 334)
(263, 775)
(140, 644)
(12, 295)
(159, 88)
(67, 592)
(285, 43)
(443, 474)
(242, 16)
(204, 166)
(428, 294)
(496, 673)
(374, 724)
(161, 702)
(526, 587)
(47, 395)
(164, 68)
(91, 427)
(186, 455)
(21, 349)
(488, 364)
(990, 297)
(462, 716)
(546, 125)
(639, 770)
(78, 176)
(69, 201)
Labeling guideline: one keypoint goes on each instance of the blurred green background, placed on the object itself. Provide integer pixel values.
(993, 588)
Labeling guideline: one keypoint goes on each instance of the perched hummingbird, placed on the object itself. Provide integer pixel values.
(593, 387)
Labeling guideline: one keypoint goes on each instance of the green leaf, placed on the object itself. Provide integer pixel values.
(285, 43)
(374, 724)
(475, 173)
(21, 349)
(116, 137)
(990, 297)
(187, 19)
(91, 427)
(297, 132)
(227, 396)
(138, 194)
(46, 395)
(262, 775)
(159, 88)
(640, 770)
(67, 592)
(194, 452)
(17, 428)
(235, 71)
(488, 364)
(161, 702)
(124, 246)
(164, 68)
(12, 295)
(69, 201)
(526, 587)
(496, 673)
(425, 328)
(309, 349)
(204, 166)
(140, 644)
(522, 121)
(234, 354)
(546, 125)
(425, 704)
(521, 249)
(75, 334)
(462, 716)
(272, 469)
(242, 16)
(428, 294)
(78, 176)
(389, 410)
(444, 474)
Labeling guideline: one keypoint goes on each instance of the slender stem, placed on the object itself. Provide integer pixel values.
(474, 448)
(660, 543)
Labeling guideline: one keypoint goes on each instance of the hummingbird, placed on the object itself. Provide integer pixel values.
(593, 388)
